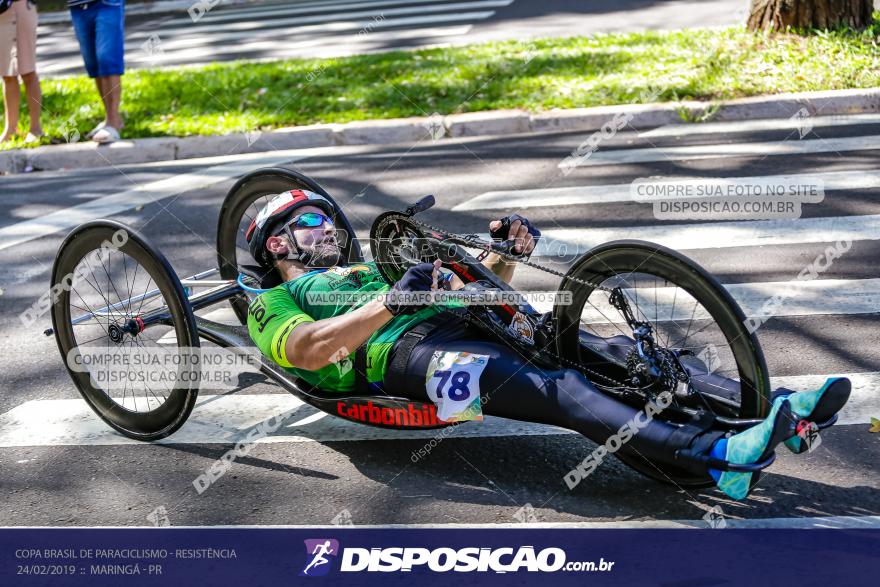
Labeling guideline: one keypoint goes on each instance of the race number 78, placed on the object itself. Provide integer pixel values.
(458, 388)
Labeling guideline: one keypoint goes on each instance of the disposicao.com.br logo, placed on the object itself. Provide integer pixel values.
(441, 560)
(318, 551)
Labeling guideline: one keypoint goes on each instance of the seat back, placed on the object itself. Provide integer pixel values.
(266, 278)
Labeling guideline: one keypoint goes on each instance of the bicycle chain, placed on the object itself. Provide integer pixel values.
(473, 241)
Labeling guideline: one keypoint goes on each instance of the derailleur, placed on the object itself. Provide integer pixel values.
(650, 366)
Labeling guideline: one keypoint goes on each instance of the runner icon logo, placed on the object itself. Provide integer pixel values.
(318, 553)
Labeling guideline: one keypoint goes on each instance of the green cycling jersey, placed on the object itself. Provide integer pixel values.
(274, 314)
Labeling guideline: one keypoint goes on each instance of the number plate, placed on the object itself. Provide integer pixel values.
(453, 383)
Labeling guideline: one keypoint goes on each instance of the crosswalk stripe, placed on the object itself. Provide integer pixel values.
(219, 169)
(221, 419)
(316, 46)
(319, 32)
(354, 44)
(213, 17)
(606, 194)
(749, 149)
(362, 18)
(818, 297)
(340, 26)
(227, 419)
(839, 297)
(569, 242)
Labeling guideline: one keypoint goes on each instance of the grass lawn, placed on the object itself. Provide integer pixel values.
(550, 73)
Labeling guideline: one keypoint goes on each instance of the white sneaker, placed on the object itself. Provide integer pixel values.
(106, 135)
(95, 130)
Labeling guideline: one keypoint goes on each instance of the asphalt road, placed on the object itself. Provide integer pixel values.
(59, 465)
(332, 28)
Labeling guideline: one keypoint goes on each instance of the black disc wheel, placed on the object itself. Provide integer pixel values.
(125, 330)
(688, 324)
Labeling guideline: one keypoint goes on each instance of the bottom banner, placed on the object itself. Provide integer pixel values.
(399, 556)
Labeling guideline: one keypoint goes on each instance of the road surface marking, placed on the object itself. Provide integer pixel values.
(606, 194)
(710, 128)
(567, 243)
(840, 297)
(227, 419)
(817, 297)
(341, 9)
(341, 46)
(148, 193)
(750, 149)
(361, 19)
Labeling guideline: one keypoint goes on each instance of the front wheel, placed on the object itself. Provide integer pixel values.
(125, 330)
(644, 319)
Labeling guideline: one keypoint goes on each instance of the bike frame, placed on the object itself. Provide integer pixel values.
(384, 411)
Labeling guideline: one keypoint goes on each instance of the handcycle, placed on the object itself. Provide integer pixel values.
(638, 320)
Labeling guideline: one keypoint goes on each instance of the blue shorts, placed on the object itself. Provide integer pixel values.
(100, 29)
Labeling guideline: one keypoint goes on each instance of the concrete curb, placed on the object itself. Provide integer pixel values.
(437, 127)
(494, 122)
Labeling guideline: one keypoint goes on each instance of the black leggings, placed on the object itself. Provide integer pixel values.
(513, 388)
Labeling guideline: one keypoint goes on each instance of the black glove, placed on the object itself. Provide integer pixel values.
(501, 233)
(417, 278)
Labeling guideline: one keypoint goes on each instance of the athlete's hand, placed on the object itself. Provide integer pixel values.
(421, 277)
(518, 229)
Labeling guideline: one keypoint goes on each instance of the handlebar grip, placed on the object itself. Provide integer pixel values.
(420, 206)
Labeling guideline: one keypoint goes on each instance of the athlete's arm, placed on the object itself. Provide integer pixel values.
(497, 265)
(523, 239)
(494, 263)
(292, 338)
(285, 333)
(317, 344)
(314, 345)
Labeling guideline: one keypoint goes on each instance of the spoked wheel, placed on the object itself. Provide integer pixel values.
(241, 206)
(125, 330)
(692, 335)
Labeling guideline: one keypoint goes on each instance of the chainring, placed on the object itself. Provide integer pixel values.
(395, 238)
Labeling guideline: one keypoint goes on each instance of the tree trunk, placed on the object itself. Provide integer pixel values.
(776, 15)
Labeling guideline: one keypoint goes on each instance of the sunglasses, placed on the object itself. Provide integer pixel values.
(311, 220)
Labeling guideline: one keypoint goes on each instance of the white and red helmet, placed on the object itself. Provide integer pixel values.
(278, 211)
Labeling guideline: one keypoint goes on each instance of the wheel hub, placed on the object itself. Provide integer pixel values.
(116, 333)
(132, 326)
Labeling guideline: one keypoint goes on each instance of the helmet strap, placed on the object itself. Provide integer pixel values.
(297, 254)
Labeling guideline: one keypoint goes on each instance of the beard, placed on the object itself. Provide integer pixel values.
(324, 255)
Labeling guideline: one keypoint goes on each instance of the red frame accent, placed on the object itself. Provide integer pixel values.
(409, 415)
(463, 274)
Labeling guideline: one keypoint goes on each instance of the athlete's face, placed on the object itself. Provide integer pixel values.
(320, 241)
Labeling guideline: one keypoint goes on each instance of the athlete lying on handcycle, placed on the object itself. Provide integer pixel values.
(410, 350)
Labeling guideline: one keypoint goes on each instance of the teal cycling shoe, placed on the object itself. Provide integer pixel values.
(752, 446)
(817, 406)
